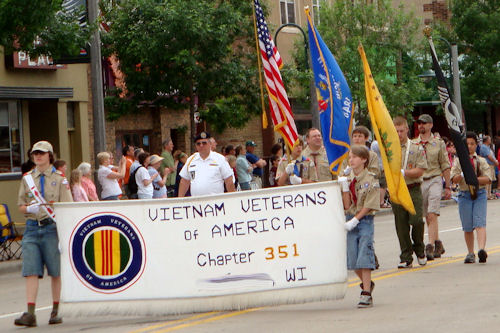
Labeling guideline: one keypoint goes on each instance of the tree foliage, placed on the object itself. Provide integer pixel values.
(476, 25)
(392, 45)
(177, 52)
(58, 30)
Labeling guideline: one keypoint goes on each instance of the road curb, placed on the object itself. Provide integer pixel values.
(10, 266)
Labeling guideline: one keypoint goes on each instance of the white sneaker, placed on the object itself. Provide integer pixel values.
(422, 261)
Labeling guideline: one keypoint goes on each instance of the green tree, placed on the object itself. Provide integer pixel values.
(177, 52)
(57, 28)
(392, 44)
(476, 25)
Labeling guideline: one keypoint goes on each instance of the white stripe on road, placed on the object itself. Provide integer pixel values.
(447, 230)
(19, 313)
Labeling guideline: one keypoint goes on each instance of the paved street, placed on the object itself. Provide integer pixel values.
(444, 296)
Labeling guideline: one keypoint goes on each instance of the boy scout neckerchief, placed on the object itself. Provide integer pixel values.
(352, 188)
(36, 194)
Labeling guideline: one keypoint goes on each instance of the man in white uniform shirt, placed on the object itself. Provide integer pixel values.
(206, 171)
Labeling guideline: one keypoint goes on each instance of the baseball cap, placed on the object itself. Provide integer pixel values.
(202, 135)
(43, 146)
(424, 118)
(155, 159)
(250, 143)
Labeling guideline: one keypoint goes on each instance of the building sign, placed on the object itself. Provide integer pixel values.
(24, 60)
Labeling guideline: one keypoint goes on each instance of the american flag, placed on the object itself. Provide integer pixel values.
(281, 112)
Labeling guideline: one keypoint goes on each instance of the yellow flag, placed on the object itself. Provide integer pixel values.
(388, 140)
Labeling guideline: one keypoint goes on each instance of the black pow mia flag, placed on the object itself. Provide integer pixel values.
(455, 124)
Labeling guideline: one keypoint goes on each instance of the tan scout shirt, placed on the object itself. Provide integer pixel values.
(56, 190)
(484, 170)
(320, 160)
(308, 169)
(372, 167)
(416, 159)
(437, 157)
(367, 192)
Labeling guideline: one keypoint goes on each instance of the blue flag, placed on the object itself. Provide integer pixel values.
(334, 100)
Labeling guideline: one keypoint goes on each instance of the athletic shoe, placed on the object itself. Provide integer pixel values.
(404, 264)
(26, 319)
(482, 255)
(422, 261)
(438, 249)
(365, 301)
(470, 258)
(54, 319)
(429, 252)
(372, 286)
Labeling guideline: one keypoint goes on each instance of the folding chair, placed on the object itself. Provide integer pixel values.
(10, 240)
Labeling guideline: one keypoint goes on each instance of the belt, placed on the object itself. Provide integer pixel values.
(41, 223)
(413, 185)
(427, 178)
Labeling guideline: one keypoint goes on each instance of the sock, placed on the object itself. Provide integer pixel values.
(31, 308)
(55, 307)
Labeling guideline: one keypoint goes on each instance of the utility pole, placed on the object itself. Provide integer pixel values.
(96, 83)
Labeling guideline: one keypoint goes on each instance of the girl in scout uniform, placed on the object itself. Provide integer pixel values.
(361, 200)
(473, 211)
(39, 187)
(300, 170)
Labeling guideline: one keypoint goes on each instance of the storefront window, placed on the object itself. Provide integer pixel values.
(10, 138)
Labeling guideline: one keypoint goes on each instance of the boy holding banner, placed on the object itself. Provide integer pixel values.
(360, 195)
(40, 187)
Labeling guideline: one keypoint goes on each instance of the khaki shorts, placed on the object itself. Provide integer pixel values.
(492, 173)
(432, 190)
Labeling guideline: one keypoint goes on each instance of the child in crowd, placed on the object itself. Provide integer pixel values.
(275, 161)
(473, 210)
(231, 160)
(77, 190)
(61, 166)
(360, 195)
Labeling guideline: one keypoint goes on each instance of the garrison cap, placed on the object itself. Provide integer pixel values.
(202, 135)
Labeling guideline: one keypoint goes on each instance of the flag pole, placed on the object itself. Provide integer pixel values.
(264, 116)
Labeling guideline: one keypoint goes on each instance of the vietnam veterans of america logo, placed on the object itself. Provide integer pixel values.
(107, 252)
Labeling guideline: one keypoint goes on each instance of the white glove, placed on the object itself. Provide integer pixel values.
(344, 184)
(351, 224)
(403, 172)
(295, 180)
(33, 208)
(289, 168)
(347, 170)
(462, 174)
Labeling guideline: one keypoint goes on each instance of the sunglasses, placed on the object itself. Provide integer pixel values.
(201, 143)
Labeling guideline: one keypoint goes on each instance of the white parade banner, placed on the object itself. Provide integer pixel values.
(230, 251)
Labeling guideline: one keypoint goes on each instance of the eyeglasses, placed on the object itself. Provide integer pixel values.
(201, 143)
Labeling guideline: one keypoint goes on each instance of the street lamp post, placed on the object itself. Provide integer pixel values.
(312, 88)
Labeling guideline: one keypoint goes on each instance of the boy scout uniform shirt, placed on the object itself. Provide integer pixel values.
(206, 175)
(416, 159)
(372, 167)
(436, 155)
(321, 164)
(367, 191)
(56, 189)
(308, 169)
(484, 170)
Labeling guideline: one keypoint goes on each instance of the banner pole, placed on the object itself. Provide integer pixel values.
(264, 116)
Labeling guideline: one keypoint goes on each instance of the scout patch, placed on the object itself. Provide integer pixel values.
(54, 183)
(192, 174)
